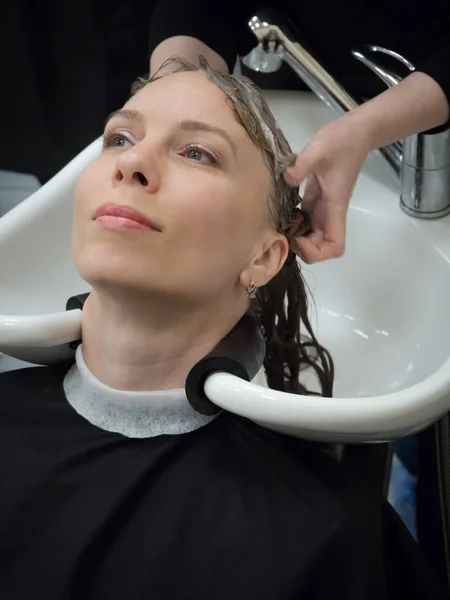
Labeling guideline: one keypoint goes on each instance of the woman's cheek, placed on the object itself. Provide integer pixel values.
(210, 208)
(89, 184)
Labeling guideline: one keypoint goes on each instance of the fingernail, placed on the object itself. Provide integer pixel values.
(291, 181)
(316, 237)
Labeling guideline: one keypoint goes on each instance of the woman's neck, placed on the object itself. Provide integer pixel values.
(131, 345)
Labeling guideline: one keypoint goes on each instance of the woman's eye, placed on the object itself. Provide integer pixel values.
(115, 140)
(200, 155)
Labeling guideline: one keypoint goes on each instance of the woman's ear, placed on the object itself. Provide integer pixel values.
(267, 262)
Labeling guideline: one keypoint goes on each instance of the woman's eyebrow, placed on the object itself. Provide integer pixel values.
(126, 113)
(190, 125)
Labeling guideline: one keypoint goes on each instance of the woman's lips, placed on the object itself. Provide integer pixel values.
(121, 223)
(114, 216)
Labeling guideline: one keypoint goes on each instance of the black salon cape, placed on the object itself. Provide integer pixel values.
(228, 512)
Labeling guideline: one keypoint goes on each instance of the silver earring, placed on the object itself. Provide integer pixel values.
(251, 290)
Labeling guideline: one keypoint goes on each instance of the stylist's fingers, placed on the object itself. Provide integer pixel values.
(321, 245)
(328, 223)
(330, 163)
(314, 248)
(305, 164)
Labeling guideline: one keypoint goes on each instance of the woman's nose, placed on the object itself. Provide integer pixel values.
(135, 168)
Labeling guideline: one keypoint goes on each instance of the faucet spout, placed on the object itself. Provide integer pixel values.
(274, 38)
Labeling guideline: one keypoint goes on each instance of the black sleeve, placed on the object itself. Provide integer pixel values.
(221, 25)
(438, 67)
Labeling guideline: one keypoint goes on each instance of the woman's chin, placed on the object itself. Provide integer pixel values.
(111, 270)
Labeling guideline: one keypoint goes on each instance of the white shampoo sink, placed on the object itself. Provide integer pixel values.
(383, 309)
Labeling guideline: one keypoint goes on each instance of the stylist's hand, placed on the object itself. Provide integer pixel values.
(330, 163)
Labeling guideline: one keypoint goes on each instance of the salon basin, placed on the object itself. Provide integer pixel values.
(381, 310)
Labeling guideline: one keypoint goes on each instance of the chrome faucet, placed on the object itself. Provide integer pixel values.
(422, 161)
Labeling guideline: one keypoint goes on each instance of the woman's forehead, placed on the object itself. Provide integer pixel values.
(187, 92)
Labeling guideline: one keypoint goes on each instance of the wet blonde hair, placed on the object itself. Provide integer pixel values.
(281, 306)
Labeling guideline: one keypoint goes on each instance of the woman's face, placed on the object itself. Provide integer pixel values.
(177, 155)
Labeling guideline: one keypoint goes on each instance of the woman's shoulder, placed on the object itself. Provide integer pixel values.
(297, 508)
(24, 386)
(54, 373)
(298, 473)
